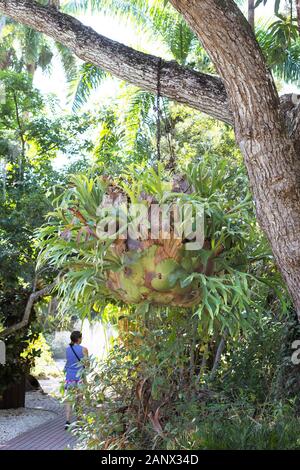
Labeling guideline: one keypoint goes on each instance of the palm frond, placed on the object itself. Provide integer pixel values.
(88, 78)
(281, 45)
(68, 61)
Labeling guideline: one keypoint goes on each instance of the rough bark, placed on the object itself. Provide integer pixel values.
(201, 91)
(269, 152)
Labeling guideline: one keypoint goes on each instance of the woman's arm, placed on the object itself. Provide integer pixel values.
(85, 352)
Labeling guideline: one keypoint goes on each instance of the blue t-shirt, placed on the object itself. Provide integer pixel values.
(73, 366)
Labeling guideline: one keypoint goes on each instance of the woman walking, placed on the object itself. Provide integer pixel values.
(73, 368)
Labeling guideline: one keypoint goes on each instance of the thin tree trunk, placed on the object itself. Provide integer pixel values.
(4, 176)
(193, 348)
(204, 361)
(218, 356)
(298, 14)
(251, 13)
(7, 59)
(31, 69)
(25, 320)
(21, 134)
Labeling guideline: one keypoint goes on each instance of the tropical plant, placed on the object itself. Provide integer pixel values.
(30, 141)
(153, 391)
(280, 42)
(26, 50)
(95, 268)
(18, 363)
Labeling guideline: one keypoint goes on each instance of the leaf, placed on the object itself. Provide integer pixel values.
(276, 6)
(187, 281)
(155, 421)
(258, 2)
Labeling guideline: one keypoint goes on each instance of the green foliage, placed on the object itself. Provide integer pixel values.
(20, 99)
(26, 50)
(88, 77)
(288, 381)
(65, 135)
(44, 366)
(30, 141)
(252, 366)
(281, 45)
(12, 306)
(149, 393)
(109, 144)
(159, 387)
(222, 271)
(231, 427)
(20, 211)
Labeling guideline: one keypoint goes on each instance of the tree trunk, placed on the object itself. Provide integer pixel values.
(269, 153)
(31, 69)
(251, 103)
(251, 13)
(25, 320)
(287, 385)
(218, 356)
(14, 396)
(298, 14)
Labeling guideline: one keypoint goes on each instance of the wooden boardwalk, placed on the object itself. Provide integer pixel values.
(48, 436)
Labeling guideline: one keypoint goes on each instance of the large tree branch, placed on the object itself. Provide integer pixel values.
(201, 91)
(25, 320)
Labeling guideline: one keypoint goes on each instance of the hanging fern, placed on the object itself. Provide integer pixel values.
(216, 279)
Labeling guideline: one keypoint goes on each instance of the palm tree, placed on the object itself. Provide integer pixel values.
(36, 49)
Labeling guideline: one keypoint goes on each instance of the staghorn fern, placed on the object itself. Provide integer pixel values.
(215, 280)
